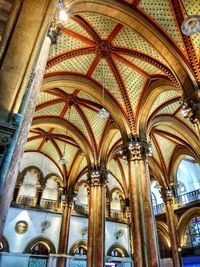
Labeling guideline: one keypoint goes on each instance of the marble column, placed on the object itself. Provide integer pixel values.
(142, 218)
(168, 197)
(64, 231)
(96, 224)
(15, 157)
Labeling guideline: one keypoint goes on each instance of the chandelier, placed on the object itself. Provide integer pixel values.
(191, 24)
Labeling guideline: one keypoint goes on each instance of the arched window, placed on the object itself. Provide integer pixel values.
(188, 175)
(81, 250)
(117, 252)
(153, 197)
(192, 233)
(40, 248)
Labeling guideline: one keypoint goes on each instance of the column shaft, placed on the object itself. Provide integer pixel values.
(95, 253)
(135, 214)
(21, 136)
(149, 217)
(172, 233)
(64, 235)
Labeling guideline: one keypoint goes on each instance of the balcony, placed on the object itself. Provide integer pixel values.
(27, 201)
(48, 204)
(81, 209)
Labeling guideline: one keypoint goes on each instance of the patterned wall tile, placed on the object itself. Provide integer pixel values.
(162, 13)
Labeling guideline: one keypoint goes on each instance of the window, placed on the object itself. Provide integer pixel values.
(192, 234)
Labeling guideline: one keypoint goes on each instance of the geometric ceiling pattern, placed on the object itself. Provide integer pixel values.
(121, 67)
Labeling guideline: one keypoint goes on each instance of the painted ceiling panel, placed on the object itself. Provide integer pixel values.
(77, 121)
(167, 148)
(169, 129)
(44, 97)
(53, 110)
(104, 75)
(82, 165)
(132, 40)
(133, 81)
(96, 124)
(148, 68)
(76, 27)
(162, 98)
(162, 13)
(169, 109)
(65, 43)
(78, 64)
(101, 24)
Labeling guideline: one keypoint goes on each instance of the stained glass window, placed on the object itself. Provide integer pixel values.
(192, 234)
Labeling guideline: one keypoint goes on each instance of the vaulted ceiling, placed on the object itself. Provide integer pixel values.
(138, 72)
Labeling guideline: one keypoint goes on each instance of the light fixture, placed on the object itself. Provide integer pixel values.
(191, 24)
(103, 113)
(62, 14)
(63, 160)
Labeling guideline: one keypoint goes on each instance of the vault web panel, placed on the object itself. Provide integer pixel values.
(169, 109)
(162, 98)
(96, 124)
(74, 26)
(134, 82)
(130, 39)
(78, 64)
(44, 97)
(104, 75)
(53, 110)
(102, 25)
(162, 13)
(115, 138)
(148, 68)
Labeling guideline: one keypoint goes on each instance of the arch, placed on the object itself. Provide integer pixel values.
(79, 243)
(154, 90)
(118, 190)
(5, 245)
(184, 220)
(62, 124)
(177, 156)
(181, 128)
(130, 18)
(116, 246)
(82, 83)
(34, 241)
(55, 177)
(24, 171)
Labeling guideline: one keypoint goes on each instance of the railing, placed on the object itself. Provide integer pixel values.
(189, 197)
(28, 201)
(158, 208)
(48, 204)
(81, 209)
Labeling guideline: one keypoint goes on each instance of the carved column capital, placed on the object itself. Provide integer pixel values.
(191, 107)
(98, 177)
(136, 149)
(167, 193)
